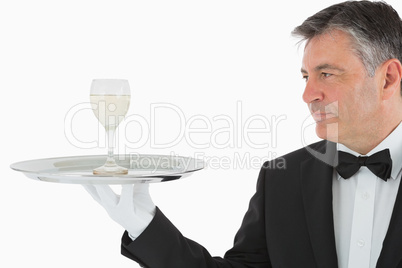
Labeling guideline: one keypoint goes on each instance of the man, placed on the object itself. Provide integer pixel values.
(327, 208)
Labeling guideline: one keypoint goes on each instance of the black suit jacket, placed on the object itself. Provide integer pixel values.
(289, 223)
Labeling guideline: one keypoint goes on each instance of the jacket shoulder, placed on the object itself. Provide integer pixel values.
(321, 149)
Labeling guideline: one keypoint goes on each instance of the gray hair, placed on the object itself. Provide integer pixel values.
(375, 28)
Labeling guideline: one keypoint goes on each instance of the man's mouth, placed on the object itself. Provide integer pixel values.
(320, 116)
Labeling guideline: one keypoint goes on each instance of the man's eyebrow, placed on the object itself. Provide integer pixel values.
(324, 66)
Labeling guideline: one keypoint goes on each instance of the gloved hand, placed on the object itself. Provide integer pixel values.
(133, 209)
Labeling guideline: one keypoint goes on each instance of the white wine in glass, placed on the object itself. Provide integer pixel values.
(110, 100)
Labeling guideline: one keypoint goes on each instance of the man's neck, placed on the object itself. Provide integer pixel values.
(365, 145)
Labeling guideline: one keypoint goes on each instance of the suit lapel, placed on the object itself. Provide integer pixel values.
(391, 253)
(316, 176)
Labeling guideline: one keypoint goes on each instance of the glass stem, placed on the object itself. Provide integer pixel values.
(110, 155)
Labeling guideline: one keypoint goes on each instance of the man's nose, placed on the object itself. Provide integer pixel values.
(312, 92)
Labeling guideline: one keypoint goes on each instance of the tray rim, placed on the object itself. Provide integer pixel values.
(118, 179)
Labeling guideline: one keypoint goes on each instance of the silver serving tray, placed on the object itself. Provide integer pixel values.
(78, 169)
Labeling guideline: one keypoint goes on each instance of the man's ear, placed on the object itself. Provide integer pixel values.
(392, 70)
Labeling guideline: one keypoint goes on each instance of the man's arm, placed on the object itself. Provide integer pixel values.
(162, 245)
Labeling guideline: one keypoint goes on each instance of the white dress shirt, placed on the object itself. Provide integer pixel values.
(363, 206)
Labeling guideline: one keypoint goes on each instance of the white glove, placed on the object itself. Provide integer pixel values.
(133, 209)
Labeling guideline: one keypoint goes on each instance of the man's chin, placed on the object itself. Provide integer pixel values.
(327, 131)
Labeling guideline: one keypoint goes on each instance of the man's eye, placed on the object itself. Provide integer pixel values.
(326, 74)
(305, 77)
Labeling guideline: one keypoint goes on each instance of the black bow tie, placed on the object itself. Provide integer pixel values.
(379, 163)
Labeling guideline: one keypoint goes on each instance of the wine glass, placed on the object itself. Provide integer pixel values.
(110, 99)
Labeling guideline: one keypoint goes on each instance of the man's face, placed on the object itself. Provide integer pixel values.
(341, 97)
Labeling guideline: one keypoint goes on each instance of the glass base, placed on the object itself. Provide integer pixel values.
(110, 170)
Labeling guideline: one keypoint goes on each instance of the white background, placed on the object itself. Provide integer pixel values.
(200, 56)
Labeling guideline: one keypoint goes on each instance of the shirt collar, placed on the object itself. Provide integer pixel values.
(393, 142)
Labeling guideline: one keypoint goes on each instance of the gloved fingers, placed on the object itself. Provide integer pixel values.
(141, 194)
(107, 196)
(127, 195)
(141, 188)
(93, 192)
(142, 198)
